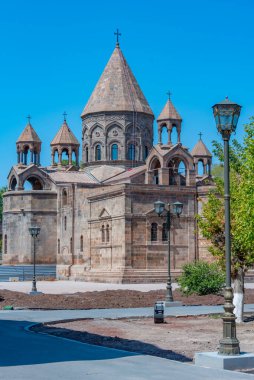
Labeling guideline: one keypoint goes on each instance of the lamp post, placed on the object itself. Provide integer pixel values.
(226, 116)
(34, 232)
(177, 210)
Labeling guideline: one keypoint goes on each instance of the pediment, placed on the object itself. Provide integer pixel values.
(104, 213)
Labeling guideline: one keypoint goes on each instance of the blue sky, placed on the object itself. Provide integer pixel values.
(53, 52)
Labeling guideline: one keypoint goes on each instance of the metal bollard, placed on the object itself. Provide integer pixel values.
(159, 312)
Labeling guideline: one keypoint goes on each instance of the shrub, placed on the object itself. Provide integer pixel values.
(201, 278)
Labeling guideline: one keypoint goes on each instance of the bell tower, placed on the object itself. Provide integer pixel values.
(27, 142)
(169, 118)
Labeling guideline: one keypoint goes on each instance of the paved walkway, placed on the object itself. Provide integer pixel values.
(26, 355)
(68, 287)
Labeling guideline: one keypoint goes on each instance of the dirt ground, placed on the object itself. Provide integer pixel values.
(102, 299)
(176, 339)
(105, 299)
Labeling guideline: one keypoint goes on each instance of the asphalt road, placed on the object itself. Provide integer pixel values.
(27, 355)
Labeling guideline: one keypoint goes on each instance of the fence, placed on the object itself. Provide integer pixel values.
(25, 272)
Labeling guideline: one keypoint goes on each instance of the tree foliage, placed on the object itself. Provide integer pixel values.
(201, 278)
(211, 222)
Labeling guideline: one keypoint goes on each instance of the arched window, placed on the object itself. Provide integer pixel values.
(182, 173)
(164, 135)
(64, 197)
(164, 232)
(33, 183)
(155, 165)
(13, 183)
(65, 223)
(86, 153)
(154, 229)
(81, 243)
(114, 152)
(58, 246)
(103, 234)
(65, 157)
(26, 150)
(200, 167)
(146, 151)
(71, 245)
(131, 152)
(98, 153)
(174, 135)
(55, 157)
(5, 244)
(107, 233)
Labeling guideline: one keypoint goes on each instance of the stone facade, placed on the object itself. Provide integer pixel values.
(98, 222)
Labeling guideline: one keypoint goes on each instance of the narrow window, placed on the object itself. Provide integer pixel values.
(103, 234)
(155, 177)
(154, 232)
(131, 152)
(87, 154)
(114, 152)
(164, 232)
(107, 233)
(5, 244)
(98, 153)
(145, 152)
(65, 223)
(81, 243)
(71, 245)
(58, 246)
(64, 197)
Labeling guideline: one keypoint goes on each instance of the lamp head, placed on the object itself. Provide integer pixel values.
(226, 114)
(177, 208)
(159, 207)
(34, 231)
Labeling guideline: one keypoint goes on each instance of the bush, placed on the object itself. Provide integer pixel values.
(201, 278)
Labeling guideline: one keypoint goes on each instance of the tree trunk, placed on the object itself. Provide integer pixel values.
(238, 300)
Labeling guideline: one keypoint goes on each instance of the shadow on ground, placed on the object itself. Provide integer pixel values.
(134, 346)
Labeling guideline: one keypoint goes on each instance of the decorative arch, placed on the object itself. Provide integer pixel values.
(35, 182)
(112, 125)
(13, 183)
(154, 166)
(177, 170)
(97, 125)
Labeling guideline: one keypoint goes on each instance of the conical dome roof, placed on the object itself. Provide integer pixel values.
(200, 149)
(117, 89)
(64, 136)
(169, 112)
(28, 135)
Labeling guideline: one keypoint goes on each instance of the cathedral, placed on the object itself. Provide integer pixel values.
(96, 214)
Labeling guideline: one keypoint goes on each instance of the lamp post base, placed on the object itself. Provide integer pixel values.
(229, 344)
(34, 288)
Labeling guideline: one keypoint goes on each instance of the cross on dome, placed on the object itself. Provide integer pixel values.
(117, 34)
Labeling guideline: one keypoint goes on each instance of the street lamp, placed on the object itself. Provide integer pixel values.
(226, 116)
(159, 208)
(34, 232)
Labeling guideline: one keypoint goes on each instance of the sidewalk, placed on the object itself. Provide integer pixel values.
(69, 287)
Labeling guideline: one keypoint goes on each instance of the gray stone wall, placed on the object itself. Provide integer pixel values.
(116, 128)
(23, 209)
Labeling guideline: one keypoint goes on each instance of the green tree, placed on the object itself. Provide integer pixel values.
(211, 222)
